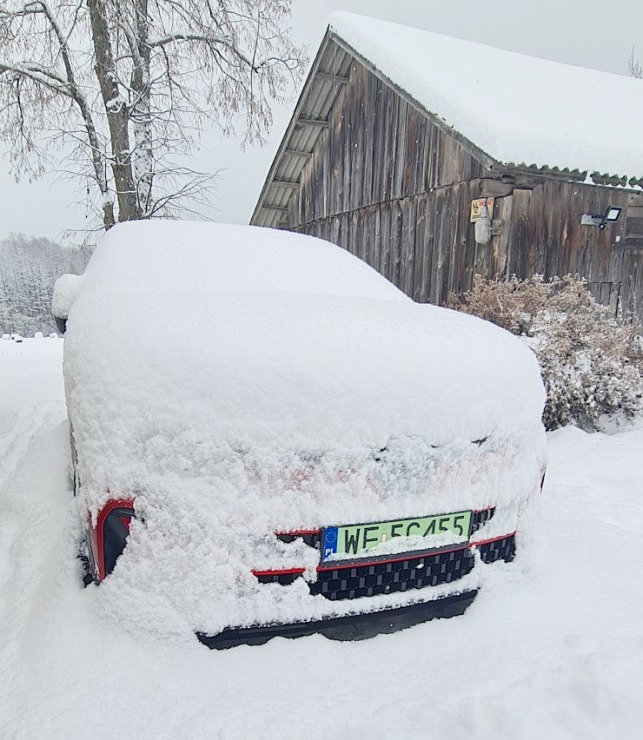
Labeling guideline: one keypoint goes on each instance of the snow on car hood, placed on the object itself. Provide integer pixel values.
(305, 373)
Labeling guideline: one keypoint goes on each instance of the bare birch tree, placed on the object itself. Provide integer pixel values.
(116, 91)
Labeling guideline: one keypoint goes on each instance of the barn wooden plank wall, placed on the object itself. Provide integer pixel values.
(394, 188)
(377, 149)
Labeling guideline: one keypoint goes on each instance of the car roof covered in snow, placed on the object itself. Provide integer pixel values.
(188, 256)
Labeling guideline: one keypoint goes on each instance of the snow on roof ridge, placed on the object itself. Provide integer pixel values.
(511, 106)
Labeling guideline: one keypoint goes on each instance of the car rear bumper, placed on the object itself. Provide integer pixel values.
(353, 627)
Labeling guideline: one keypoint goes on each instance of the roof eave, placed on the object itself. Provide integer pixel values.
(294, 121)
(584, 177)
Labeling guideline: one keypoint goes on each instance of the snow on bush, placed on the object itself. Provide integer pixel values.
(591, 364)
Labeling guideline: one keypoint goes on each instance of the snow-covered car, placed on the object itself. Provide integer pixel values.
(269, 438)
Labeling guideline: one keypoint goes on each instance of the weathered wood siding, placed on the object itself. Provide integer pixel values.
(416, 241)
(377, 149)
(394, 188)
(540, 231)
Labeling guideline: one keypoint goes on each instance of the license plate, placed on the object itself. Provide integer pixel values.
(380, 539)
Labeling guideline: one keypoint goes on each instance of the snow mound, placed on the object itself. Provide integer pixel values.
(66, 290)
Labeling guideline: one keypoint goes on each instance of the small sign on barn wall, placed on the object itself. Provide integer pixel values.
(476, 208)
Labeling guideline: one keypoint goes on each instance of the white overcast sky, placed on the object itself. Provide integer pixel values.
(589, 33)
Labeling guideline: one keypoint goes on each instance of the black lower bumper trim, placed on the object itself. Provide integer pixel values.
(353, 627)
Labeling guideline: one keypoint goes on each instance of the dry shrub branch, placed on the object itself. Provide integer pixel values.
(591, 364)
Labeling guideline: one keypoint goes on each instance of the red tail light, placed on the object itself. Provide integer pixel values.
(108, 538)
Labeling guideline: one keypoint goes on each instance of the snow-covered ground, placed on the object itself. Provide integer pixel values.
(552, 647)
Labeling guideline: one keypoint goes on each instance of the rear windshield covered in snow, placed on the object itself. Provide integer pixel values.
(188, 256)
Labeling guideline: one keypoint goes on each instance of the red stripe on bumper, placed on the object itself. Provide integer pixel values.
(299, 532)
(493, 539)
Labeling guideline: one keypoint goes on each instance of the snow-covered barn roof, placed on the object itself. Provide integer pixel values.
(509, 108)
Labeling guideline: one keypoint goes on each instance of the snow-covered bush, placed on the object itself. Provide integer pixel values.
(591, 364)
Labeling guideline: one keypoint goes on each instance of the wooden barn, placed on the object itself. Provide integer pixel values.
(434, 159)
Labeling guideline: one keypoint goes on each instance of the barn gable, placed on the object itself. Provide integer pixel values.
(341, 91)
(368, 166)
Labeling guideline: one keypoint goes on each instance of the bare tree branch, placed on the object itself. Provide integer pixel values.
(123, 88)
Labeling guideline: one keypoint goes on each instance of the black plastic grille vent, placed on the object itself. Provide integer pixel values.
(283, 579)
(312, 539)
(385, 578)
(372, 579)
(403, 575)
(480, 518)
(504, 549)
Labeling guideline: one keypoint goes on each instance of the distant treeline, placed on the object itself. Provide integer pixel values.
(29, 267)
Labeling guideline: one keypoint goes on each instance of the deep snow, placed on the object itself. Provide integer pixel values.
(551, 648)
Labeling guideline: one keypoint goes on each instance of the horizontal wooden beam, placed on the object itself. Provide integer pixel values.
(295, 153)
(339, 79)
(292, 184)
(495, 188)
(317, 122)
(279, 209)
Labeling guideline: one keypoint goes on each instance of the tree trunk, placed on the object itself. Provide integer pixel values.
(117, 113)
(141, 113)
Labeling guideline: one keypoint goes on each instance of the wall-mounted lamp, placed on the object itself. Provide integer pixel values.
(610, 216)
